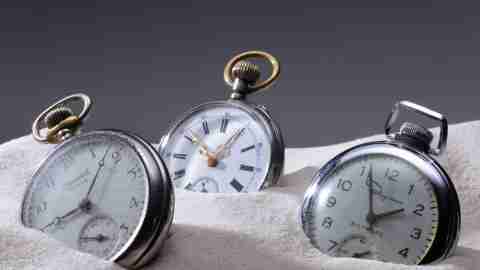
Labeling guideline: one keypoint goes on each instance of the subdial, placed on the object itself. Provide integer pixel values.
(99, 236)
(205, 185)
(355, 246)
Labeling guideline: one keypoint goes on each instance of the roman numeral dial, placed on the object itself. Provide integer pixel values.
(205, 127)
(224, 124)
(218, 150)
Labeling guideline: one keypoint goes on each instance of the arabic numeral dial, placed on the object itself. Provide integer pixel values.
(401, 197)
(83, 175)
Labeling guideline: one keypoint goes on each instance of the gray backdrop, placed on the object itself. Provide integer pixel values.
(144, 63)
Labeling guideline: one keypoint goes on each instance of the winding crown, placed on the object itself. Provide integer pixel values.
(56, 116)
(246, 71)
(416, 132)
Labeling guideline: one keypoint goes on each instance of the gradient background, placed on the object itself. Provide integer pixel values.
(344, 62)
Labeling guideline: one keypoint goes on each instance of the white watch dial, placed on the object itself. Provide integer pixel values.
(90, 194)
(221, 149)
(401, 225)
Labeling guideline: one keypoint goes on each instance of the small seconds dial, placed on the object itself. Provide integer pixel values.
(89, 194)
(375, 206)
(99, 236)
(219, 149)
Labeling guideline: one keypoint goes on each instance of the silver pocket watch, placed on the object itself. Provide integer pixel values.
(387, 200)
(104, 192)
(228, 146)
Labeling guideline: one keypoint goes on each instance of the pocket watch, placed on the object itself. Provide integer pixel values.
(104, 192)
(386, 200)
(228, 146)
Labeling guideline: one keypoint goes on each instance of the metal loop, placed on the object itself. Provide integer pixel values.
(36, 127)
(227, 73)
(442, 142)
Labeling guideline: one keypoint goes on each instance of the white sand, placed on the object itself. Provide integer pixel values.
(240, 231)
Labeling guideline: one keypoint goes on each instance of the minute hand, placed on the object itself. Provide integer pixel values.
(371, 214)
(222, 149)
(101, 164)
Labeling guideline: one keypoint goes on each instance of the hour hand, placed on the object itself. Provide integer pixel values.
(57, 220)
(85, 206)
(387, 214)
(212, 160)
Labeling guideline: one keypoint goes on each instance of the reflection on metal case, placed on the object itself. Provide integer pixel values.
(104, 192)
(387, 200)
(228, 146)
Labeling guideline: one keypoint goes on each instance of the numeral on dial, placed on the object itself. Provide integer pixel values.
(392, 174)
(206, 130)
(42, 207)
(246, 149)
(327, 222)
(134, 203)
(49, 182)
(179, 174)
(416, 233)
(419, 209)
(189, 186)
(404, 252)
(364, 169)
(180, 156)
(236, 185)
(411, 189)
(188, 138)
(247, 168)
(331, 202)
(345, 185)
(224, 125)
(334, 245)
(135, 172)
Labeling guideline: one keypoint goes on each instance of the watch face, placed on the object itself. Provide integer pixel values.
(219, 148)
(90, 193)
(375, 206)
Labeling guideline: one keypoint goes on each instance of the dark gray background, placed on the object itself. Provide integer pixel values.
(146, 62)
